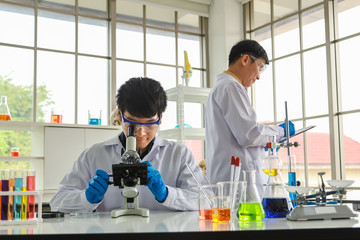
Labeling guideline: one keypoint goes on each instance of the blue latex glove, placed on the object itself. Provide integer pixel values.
(291, 128)
(277, 149)
(97, 187)
(156, 183)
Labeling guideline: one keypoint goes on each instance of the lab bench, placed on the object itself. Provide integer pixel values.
(178, 225)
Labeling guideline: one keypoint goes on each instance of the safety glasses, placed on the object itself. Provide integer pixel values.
(146, 127)
(260, 68)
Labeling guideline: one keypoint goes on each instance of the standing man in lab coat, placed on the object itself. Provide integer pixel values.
(141, 102)
(230, 120)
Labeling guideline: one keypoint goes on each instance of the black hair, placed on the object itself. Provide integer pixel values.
(142, 97)
(251, 47)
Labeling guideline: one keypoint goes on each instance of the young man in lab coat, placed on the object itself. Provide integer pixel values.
(141, 102)
(230, 120)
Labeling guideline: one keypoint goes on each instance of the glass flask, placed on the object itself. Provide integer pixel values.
(250, 207)
(276, 199)
(4, 109)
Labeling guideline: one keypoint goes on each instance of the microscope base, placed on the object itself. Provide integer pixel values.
(135, 211)
(326, 212)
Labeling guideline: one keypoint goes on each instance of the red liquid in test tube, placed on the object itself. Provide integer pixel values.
(30, 184)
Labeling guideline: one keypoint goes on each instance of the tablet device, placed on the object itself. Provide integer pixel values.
(297, 132)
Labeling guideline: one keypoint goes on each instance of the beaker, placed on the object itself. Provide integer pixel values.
(56, 115)
(232, 191)
(250, 207)
(207, 194)
(4, 109)
(94, 116)
(15, 151)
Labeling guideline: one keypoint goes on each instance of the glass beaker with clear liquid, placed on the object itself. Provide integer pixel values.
(276, 199)
(4, 109)
(250, 207)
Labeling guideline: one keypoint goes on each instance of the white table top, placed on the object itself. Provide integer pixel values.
(162, 222)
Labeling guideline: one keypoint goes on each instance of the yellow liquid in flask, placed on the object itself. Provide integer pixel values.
(273, 172)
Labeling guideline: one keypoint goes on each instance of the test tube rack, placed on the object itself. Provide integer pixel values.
(27, 221)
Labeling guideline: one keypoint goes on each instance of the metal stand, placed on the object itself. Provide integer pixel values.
(130, 211)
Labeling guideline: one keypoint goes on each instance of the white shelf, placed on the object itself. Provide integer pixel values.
(191, 94)
(182, 94)
(189, 133)
(9, 158)
(27, 126)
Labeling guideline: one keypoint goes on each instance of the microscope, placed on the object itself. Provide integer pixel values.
(127, 175)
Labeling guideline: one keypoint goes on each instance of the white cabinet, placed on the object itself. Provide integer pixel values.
(63, 147)
(182, 94)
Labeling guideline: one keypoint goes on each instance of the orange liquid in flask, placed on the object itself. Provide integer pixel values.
(5, 117)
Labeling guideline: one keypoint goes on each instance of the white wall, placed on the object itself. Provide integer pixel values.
(225, 29)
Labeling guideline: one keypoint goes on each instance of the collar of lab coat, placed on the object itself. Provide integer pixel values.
(233, 75)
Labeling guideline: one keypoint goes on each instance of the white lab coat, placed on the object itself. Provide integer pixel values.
(168, 157)
(232, 130)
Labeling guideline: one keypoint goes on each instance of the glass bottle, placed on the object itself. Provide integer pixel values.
(4, 109)
(276, 199)
(250, 207)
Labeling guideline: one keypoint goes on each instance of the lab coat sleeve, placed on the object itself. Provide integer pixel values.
(241, 117)
(70, 196)
(185, 196)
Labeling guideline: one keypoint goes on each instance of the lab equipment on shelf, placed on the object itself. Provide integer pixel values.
(4, 109)
(187, 70)
(94, 116)
(56, 115)
(15, 151)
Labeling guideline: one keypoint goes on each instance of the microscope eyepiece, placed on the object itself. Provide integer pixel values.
(131, 130)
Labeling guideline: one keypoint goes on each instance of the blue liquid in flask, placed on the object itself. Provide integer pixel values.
(275, 207)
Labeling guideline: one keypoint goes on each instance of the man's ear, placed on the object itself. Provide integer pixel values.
(119, 115)
(245, 59)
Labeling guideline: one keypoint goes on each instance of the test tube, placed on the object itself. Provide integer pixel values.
(11, 197)
(4, 199)
(30, 185)
(0, 197)
(23, 197)
(17, 198)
